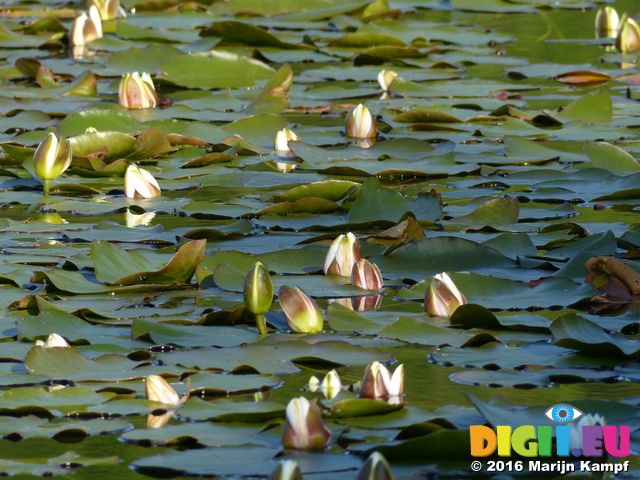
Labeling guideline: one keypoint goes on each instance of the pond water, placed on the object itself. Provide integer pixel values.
(491, 164)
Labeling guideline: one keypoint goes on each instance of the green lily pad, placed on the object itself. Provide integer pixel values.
(214, 70)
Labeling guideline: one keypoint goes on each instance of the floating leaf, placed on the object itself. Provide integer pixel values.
(611, 158)
(214, 69)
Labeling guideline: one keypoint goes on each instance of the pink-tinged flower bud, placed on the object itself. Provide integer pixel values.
(287, 470)
(360, 123)
(281, 142)
(301, 311)
(52, 157)
(443, 297)
(108, 9)
(139, 183)
(137, 91)
(366, 275)
(158, 390)
(375, 468)
(304, 428)
(53, 340)
(628, 38)
(86, 28)
(386, 78)
(343, 253)
(258, 290)
(378, 383)
(607, 22)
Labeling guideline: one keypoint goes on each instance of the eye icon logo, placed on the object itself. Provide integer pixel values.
(563, 413)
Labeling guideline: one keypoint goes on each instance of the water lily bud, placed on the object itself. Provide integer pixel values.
(386, 78)
(53, 340)
(360, 123)
(287, 470)
(301, 311)
(281, 142)
(443, 297)
(607, 22)
(314, 384)
(628, 38)
(378, 383)
(304, 428)
(343, 253)
(158, 390)
(375, 468)
(331, 385)
(139, 183)
(258, 290)
(137, 91)
(52, 157)
(86, 28)
(108, 9)
(366, 275)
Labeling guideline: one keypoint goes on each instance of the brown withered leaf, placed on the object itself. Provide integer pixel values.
(614, 278)
(583, 77)
(408, 230)
(176, 139)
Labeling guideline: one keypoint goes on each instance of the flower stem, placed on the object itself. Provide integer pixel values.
(261, 323)
(46, 187)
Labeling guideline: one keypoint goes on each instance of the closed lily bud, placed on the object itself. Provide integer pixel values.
(386, 78)
(366, 275)
(360, 123)
(443, 297)
(378, 383)
(158, 390)
(287, 470)
(628, 38)
(343, 253)
(53, 340)
(137, 91)
(304, 428)
(607, 22)
(52, 157)
(375, 468)
(108, 9)
(86, 28)
(281, 142)
(331, 385)
(139, 183)
(258, 290)
(301, 311)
